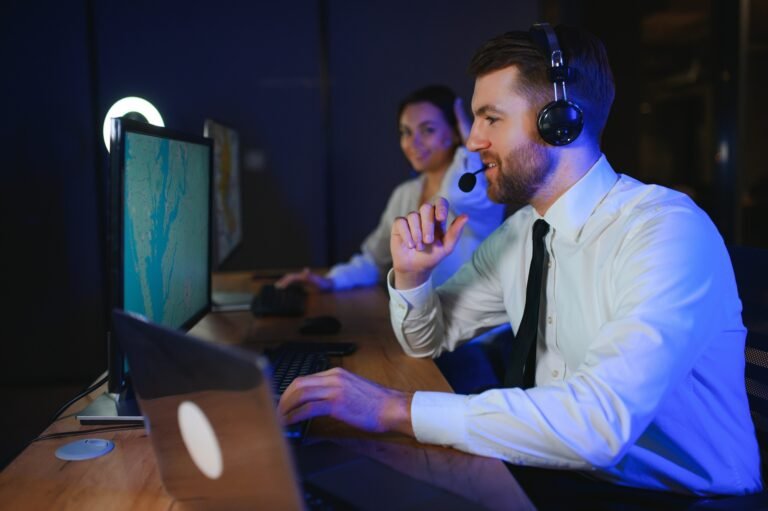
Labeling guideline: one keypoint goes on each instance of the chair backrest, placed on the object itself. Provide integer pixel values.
(750, 266)
(756, 375)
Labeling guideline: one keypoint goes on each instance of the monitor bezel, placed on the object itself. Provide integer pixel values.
(115, 239)
(214, 221)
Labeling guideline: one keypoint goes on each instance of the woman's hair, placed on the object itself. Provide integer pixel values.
(438, 95)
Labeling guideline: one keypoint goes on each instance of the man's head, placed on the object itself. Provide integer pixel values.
(511, 87)
(590, 84)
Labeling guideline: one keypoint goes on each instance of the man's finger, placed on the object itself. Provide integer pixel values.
(400, 228)
(307, 388)
(307, 411)
(454, 232)
(427, 214)
(414, 224)
(441, 209)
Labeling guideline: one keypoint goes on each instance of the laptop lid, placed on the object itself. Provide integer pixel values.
(211, 420)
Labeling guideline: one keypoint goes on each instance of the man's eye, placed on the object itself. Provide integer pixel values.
(491, 120)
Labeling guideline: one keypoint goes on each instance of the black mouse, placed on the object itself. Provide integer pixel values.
(320, 325)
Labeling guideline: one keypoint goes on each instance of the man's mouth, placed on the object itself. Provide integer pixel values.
(489, 167)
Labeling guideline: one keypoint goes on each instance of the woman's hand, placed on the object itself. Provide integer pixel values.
(464, 123)
(306, 277)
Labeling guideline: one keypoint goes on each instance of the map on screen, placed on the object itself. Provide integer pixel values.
(227, 217)
(165, 217)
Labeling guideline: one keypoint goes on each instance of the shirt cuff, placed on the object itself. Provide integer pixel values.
(439, 418)
(410, 298)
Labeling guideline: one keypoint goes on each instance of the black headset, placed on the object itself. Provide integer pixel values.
(560, 121)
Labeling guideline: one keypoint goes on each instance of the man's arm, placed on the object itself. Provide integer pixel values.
(668, 305)
(428, 322)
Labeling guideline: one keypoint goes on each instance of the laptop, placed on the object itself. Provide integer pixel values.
(211, 419)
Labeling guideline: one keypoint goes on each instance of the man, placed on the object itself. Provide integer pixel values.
(639, 343)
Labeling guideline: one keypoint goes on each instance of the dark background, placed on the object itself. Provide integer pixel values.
(312, 87)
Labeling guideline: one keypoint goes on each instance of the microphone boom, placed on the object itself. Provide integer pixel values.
(467, 181)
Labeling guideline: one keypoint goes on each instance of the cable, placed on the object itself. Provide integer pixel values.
(65, 434)
(82, 394)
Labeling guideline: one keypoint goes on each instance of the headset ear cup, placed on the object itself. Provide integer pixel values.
(560, 122)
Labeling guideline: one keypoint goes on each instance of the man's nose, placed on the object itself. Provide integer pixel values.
(477, 141)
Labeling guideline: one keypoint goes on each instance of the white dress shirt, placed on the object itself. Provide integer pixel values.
(370, 266)
(640, 365)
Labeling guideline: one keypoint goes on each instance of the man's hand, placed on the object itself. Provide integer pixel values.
(306, 277)
(348, 398)
(419, 242)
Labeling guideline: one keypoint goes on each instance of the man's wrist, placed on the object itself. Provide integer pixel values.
(409, 280)
(397, 413)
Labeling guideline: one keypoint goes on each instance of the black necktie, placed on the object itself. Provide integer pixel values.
(521, 369)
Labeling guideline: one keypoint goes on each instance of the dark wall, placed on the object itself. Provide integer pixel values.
(312, 87)
(51, 258)
(251, 65)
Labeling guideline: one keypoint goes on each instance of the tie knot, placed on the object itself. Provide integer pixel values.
(540, 229)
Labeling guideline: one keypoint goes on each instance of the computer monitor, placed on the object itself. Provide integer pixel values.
(159, 239)
(227, 209)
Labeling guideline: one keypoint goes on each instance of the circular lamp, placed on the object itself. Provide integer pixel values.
(134, 108)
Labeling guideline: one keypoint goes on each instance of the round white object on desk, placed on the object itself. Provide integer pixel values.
(86, 449)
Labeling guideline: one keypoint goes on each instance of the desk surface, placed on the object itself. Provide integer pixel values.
(128, 478)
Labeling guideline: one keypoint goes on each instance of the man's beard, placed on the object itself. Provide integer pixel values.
(521, 174)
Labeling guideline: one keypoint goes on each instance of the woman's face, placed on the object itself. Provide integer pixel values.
(426, 138)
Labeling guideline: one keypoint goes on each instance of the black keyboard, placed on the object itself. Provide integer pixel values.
(289, 362)
(274, 301)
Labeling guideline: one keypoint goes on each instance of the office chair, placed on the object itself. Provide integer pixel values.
(749, 266)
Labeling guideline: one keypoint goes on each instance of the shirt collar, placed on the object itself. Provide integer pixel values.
(571, 210)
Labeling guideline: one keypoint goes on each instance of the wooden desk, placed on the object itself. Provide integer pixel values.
(128, 478)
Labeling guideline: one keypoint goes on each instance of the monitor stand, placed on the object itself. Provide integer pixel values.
(230, 301)
(112, 409)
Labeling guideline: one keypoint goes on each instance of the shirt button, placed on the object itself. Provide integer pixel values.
(555, 373)
(549, 320)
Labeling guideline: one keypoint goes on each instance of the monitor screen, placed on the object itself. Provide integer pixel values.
(227, 212)
(160, 228)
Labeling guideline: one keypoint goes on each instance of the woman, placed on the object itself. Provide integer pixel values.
(432, 126)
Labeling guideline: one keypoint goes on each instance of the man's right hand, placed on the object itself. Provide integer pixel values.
(419, 241)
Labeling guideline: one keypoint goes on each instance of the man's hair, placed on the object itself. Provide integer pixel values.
(590, 84)
(440, 96)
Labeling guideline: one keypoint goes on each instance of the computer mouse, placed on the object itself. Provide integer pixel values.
(320, 325)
